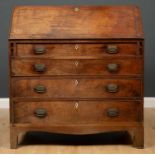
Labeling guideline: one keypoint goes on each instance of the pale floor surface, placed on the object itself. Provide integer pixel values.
(57, 148)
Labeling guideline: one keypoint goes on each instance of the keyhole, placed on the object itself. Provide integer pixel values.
(76, 105)
(76, 82)
(76, 63)
(76, 47)
(76, 9)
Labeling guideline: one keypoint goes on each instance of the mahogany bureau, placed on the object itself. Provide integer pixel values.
(76, 70)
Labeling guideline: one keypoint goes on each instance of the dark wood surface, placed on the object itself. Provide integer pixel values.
(79, 93)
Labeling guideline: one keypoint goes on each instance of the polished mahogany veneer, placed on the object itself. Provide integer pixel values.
(76, 70)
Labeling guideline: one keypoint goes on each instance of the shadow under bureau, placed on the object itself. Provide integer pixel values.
(76, 70)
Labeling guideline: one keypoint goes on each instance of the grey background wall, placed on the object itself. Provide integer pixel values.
(148, 13)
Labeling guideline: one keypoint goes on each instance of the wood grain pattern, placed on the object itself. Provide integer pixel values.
(66, 112)
(83, 50)
(78, 92)
(76, 88)
(68, 22)
(88, 145)
(26, 67)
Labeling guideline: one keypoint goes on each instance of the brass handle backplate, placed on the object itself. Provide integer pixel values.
(112, 88)
(40, 89)
(112, 67)
(40, 113)
(112, 112)
(112, 49)
(39, 50)
(40, 67)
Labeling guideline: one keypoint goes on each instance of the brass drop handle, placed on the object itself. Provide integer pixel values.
(112, 49)
(39, 50)
(112, 112)
(112, 88)
(40, 113)
(40, 67)
(112, 67)
(40, 89)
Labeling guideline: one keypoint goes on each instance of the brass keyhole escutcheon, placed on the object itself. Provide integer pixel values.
(76, 9)
(76, 63)
(76, 82)
(76, 47)
(76, 105)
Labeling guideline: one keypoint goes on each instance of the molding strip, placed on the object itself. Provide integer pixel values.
(149, 102)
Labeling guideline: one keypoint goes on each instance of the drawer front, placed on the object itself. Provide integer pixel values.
(77, 112)
(41, 67)
(75, 50)
(76, 88)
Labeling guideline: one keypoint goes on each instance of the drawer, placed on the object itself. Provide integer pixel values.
(76, 88)
(77, 112)
(42, 67)
(77, 50)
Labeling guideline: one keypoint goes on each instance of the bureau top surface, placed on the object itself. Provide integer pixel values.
(76, 22)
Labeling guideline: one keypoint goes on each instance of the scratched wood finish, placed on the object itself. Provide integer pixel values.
(26, 67)
(74, 43)
(68, 22)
